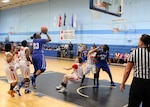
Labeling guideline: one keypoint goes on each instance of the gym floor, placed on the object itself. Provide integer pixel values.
(86, 96)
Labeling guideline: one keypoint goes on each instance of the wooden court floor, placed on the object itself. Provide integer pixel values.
(53, 64)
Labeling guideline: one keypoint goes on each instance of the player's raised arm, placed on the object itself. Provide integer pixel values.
(45, 30)
(48, 37)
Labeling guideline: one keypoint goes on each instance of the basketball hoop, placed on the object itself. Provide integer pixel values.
(115, 30)
(10, 33)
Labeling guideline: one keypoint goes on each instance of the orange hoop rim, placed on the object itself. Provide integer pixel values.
(115, 30)
(10, 33)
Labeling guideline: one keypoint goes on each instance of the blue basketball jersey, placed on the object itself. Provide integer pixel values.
(102, 56)
(38, 58)
(84, 55)
(38, 46)
(102, 60)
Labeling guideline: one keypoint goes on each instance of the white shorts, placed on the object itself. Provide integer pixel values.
(24, 68)
(73, 78)
(90, 67)
(11, 74)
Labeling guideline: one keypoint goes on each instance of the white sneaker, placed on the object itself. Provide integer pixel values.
(63, 90)
(17, 91)
(59, 87)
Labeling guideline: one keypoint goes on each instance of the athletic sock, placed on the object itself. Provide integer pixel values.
(83, 79)
(63, 84)
(11, 87)
(95, 77)
(34, 75)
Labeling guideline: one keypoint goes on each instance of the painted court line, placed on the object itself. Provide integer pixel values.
(89, 86)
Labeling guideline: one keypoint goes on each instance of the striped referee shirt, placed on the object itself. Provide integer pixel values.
(141, 59)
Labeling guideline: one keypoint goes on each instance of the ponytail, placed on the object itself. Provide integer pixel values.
(34, 36)
(145, 38)
(148, 47)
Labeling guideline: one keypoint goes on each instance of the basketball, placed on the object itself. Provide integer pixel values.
(44, 29)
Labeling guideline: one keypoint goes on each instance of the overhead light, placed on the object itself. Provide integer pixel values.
(5, 1)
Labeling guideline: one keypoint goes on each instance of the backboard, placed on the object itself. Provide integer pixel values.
(112, 7)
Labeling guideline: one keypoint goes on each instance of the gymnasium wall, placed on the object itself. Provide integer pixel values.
(89, 30)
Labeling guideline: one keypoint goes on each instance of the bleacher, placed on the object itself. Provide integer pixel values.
(113, 48)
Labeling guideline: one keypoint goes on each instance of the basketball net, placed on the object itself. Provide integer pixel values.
(95, 14)
(115, 30)
(10, 33)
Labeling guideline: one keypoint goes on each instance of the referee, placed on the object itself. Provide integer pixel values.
(140, 87)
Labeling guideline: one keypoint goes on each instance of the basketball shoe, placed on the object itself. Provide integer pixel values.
(59, 87)
(33, 82)
(27, 91)
(63, 90)
(11, 92)
(112, 84)
(17, 91)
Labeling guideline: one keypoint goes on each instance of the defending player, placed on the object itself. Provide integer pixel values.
(84, 53)
(75, 76)
(23, 56)
(90, 65)
(38, 58)
(101, 63)
(10, 70)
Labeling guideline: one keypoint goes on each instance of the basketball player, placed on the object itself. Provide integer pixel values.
(10, 70)
(101, 63)
(90, 65)
(38, 58)
(24, 65)
(75, 76)
(84, 53)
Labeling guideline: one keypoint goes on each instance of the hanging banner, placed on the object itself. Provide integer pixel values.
(66, 34)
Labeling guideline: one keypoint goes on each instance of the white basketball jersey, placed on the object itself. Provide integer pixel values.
(10, 70)
(22, 54)
(79, 70)
(91, 58)
(12, 62)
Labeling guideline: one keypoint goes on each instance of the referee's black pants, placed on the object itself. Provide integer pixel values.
(139, 93)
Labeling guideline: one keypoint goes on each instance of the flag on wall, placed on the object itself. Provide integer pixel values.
(54, 21)
(61, 35)
(64, 19)
(73, 20)
(60, 21)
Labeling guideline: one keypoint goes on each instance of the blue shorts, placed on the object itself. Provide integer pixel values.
(84, 59)
(39, 62)
(104, 67)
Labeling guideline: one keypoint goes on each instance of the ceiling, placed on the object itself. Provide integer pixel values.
(17, 3)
